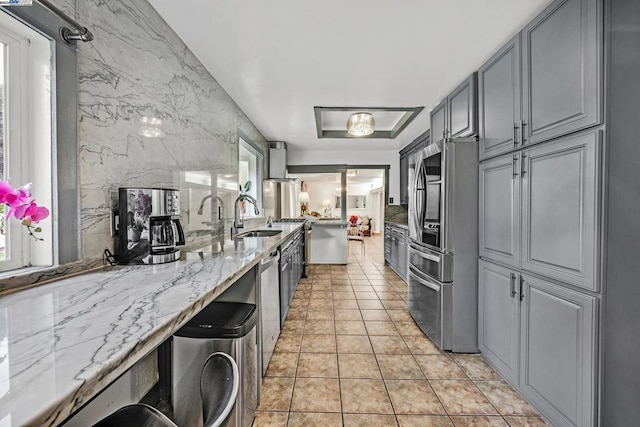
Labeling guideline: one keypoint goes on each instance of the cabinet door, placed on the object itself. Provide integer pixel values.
(403, 254)
(462, 109)
(438, 123)
(560, 209)
(404, 179)
(395, 250)
(499, 212)
(562, 69)
(499, 318)
(499, 101)
(387, 244)
(558, 352)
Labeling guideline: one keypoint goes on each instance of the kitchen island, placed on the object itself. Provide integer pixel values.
(328, 242)
(64, 342)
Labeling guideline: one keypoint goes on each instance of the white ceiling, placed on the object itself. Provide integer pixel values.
(280, 58)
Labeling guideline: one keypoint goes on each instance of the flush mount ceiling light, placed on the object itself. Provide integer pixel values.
(388, 122)
(361, 124)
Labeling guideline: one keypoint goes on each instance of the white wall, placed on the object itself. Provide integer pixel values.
(330, 157)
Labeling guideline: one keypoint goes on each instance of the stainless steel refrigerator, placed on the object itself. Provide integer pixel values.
(443, 253)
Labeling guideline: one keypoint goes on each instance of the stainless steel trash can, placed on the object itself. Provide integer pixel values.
(221, 326)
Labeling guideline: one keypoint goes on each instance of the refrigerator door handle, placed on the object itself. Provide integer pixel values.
(423, 281)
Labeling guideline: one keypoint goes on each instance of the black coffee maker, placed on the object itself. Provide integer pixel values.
(147, 226)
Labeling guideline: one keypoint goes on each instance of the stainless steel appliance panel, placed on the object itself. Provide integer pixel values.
(269, 307)
(430, 305)
(428, 197)
(433, 263)
(280, 198)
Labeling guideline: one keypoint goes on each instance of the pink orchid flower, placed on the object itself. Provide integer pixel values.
(31, 212)
(14, 197)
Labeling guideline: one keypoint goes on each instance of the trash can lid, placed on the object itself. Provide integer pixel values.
(221, 320)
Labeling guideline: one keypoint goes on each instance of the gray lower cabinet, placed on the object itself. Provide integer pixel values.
(542, 338)
(396, 249)
(544, 83)
(498, 321)
(539, 209)
(558, 347)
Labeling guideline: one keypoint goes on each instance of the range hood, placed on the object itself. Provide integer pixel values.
(278, 161)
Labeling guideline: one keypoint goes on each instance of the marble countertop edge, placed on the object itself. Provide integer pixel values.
(124, 347)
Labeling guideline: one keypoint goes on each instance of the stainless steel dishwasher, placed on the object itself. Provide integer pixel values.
(269, 307)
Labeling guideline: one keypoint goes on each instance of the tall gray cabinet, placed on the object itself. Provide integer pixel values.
(540, 213)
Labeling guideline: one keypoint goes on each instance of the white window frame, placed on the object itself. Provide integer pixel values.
(28, 136)
(255, 162)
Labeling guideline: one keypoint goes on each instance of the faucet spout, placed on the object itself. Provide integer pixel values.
(218, 199)
(236, 212)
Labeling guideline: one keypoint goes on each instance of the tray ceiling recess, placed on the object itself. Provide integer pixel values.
(331, 122)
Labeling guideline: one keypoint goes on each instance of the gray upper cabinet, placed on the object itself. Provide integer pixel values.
(499, 318)
(457, 115)
(438, 122)
(407, 164)
(499, 212)
(562, 70)
(499, 101)
(558, 347)
(560, 215)
(404, 179)
(462, 111)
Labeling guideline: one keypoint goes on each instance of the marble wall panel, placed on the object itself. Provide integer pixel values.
(136, 69)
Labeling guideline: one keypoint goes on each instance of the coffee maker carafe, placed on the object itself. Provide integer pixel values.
(147, 224)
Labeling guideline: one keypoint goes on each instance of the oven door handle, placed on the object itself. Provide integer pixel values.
(415, 275)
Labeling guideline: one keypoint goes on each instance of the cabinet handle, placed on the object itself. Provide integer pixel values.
(513, 285)
(524, 134)
(516, 127)
(521, 287)
(522, 164)
(514, 165)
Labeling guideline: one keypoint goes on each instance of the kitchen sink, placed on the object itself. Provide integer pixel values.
(260, 233)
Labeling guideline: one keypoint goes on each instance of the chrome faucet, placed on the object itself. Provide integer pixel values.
(236, 212)
(220, 213)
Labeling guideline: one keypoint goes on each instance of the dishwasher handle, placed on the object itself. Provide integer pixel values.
(273, 258)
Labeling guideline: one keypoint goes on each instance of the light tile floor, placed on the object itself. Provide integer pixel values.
(351, 355)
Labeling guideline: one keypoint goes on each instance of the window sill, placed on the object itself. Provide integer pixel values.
(23, 278)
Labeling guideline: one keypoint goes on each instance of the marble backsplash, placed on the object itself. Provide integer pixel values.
(397, 214)
(149, 115)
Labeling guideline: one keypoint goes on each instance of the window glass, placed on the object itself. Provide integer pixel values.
(25, 138)
(250, 163)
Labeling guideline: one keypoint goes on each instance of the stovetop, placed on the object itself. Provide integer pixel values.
(285, 220)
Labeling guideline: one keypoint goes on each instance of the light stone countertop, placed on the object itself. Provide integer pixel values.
(62, 343)
(396, 224)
